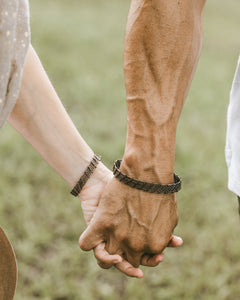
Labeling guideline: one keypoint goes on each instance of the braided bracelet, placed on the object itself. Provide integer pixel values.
(155, 188)
(87, 173)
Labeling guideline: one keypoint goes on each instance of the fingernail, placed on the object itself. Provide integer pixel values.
(179, 239)
(140, 274)
(116, 261)
(161, 258)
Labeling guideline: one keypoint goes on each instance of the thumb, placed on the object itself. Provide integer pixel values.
(91, 237)
(175, 241)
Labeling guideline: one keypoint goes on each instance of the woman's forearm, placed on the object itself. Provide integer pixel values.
(41, 119)
(162, 46)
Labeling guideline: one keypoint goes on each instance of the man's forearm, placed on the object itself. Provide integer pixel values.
(162, 47)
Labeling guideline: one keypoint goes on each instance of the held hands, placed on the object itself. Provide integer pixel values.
(130, 227)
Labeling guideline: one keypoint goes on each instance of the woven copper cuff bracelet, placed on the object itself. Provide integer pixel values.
(87, 173)
(149, 187)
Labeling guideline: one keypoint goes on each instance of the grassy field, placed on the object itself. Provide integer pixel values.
(80, 44)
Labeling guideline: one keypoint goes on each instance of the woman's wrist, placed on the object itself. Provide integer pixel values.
(94, 172)
(97, 181)
(101, 174)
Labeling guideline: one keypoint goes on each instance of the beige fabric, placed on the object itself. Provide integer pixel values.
(8, 268)
(14, 43)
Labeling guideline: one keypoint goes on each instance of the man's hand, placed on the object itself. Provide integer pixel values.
(162, 46)
(133, 224)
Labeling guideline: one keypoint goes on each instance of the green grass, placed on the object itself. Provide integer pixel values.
(81, 44)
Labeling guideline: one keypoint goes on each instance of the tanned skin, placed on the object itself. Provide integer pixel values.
(162, 46)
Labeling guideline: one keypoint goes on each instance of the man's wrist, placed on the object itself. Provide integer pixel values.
(150, 167)
(150, 187)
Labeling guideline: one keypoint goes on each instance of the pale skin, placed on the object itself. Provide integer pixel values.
(162, 47)
(41, 119)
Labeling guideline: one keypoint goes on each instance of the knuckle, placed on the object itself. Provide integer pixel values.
(136, 245)
(156, 249)
(135, 263)
(158, 246)
(120, 236)
(107, 224)
(103, 265)
(82, 244)
(133, 258)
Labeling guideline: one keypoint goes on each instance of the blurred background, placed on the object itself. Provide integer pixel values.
(81, 46)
